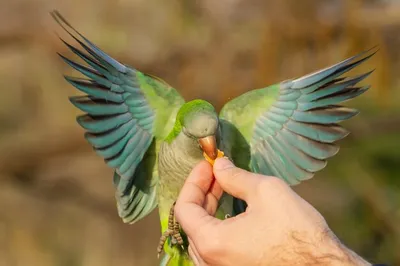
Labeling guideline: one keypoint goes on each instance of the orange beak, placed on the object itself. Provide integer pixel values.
(209, 146)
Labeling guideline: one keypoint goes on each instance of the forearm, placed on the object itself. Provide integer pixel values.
(332, 252)
(325, 249)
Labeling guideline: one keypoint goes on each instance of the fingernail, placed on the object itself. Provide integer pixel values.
(223, 163)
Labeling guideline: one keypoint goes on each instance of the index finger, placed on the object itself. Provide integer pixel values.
(189, 209)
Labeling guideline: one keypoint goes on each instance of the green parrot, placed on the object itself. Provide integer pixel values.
(152, 137)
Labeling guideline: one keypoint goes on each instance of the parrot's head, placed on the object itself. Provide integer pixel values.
(199, 121)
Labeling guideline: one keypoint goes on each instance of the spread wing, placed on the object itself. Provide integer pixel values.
(289, 129)
(126, 113)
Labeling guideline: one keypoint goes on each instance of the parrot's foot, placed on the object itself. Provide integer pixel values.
(227, 216)
(172, 232)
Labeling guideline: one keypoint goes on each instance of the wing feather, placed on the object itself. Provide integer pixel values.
(125, 112)
(291, 128)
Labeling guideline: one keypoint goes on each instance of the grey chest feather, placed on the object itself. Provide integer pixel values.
(175, 162)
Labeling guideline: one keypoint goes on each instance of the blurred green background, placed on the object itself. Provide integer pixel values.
(56, 196)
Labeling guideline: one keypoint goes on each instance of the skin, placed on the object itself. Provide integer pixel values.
(285, 229)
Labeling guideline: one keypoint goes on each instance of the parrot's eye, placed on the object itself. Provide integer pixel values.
(187, 133)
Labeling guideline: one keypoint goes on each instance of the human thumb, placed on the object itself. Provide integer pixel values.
(235, 181)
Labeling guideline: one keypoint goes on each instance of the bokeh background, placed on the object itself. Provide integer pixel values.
(56, 196)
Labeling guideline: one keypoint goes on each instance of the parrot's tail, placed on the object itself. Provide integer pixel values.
(175, 257)
(165, 259)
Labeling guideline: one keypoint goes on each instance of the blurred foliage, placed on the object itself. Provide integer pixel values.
(56, 196)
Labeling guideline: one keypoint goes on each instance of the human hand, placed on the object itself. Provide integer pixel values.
(277, 228)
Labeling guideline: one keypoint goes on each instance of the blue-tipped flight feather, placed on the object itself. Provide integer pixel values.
(92, 49)
(319, 132)
(102, 140)
(98, 125)
(113, 124)
(316, 79)
(129, 147)
(311, 147)
(326, 115)
(332, 89)
(94, 89)
(333, 99)
(119, 120)
(293, 172)
(114, 149)
(96, 107)
(90, 73)
(295, 134)
(90, 61)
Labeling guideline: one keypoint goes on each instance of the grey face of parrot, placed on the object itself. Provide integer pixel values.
(203, 127)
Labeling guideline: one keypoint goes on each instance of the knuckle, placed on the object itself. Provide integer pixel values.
(236, 174)
(275, 182)
(271, 183)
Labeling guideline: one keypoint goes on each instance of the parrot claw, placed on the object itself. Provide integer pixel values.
(227, 216)
(173, 232)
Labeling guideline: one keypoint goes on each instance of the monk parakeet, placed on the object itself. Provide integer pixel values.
(152, 137)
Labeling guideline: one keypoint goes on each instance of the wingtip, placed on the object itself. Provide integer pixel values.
(342, 67)
(369, 72)
(366, 54)
(58, 17)
(73, 100)
(55, 14)
(354, 112)
(370, 52)
(71, 80)
(62, 21)
(365, 88)
(345, 133)
(60, 55)
(374, 48)
(68, 78)
(86, 43)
